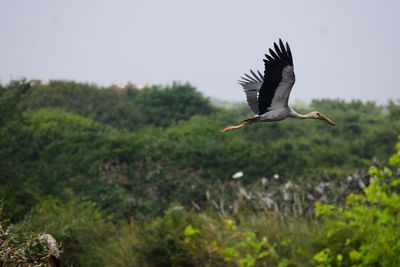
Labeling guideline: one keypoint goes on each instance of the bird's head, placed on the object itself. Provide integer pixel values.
(318, 115)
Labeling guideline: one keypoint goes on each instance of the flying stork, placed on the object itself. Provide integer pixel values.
(268, 95)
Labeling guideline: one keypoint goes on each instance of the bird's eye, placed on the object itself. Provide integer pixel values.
(318, 113)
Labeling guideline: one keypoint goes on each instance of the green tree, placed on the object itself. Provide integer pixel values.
(106, 105)
(164, 105)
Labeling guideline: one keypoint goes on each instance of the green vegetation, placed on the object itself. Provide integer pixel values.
(23, 249)
(143, 177)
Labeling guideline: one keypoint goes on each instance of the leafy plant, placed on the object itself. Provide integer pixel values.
(77, 224)
(365, 231)
(26, 249)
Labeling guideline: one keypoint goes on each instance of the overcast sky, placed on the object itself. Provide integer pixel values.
(342, 49)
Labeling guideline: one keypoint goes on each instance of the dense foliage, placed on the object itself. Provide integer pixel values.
(24, 249)
(143, 177)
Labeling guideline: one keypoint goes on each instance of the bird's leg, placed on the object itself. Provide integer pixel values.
(234, 127)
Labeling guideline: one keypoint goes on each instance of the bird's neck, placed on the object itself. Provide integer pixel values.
(296, 115)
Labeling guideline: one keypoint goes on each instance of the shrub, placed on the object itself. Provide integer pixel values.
(77, 224)
(26, 249)
(365, 231)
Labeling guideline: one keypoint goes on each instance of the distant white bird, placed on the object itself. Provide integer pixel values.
(237, 175)
(268, 95)
(54, 255)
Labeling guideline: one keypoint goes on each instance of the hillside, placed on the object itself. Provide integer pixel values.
(128, 176)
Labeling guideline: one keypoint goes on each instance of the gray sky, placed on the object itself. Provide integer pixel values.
(342, 49)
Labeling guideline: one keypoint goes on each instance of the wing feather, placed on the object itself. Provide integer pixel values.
(261, 76)
(246, 79)
(251, 78)
(281, 97)
(275, 56)
(269, 58)
(270, 90)
(279, 52)
(255, 76)
(289, 53)
(282, 47)
(279, 79)
(251, 86)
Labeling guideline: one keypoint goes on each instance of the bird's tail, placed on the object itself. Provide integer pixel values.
(252, 119)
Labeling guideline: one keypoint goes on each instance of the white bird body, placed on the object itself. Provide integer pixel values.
(268, 94)
(273, 115)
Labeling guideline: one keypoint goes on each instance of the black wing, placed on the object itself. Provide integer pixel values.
(275, 63)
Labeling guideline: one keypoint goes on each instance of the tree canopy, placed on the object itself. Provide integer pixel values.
(149, 162)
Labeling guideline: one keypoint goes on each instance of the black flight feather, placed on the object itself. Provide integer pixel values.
(275, 56)
(274, 65)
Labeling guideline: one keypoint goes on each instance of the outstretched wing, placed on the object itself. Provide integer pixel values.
(279, 79)
(251, 86)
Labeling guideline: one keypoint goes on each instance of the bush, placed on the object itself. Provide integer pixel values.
(365, 231)
(25, 249)
(183, 238)
(179, 238)
(78, 225)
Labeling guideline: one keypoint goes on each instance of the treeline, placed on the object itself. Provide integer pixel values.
(134, 167)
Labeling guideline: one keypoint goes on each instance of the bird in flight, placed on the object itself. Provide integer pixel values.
(268, 94)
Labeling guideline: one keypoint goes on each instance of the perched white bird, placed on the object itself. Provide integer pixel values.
(54, 253)
(268, 95)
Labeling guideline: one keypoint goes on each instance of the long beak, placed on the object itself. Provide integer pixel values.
(327, 120)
